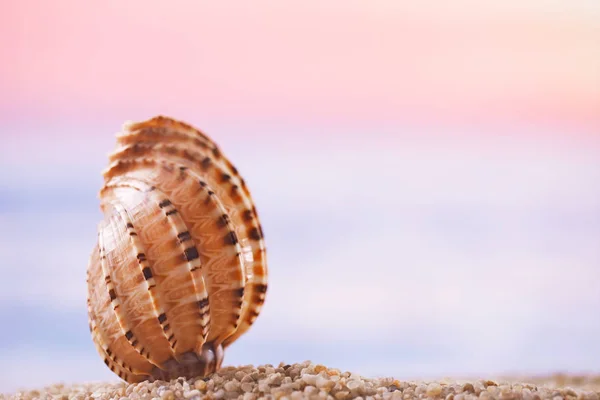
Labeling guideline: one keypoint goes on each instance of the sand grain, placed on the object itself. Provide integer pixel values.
(311, 381)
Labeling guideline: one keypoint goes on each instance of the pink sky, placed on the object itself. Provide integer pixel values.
(319, 104)
(311, 60)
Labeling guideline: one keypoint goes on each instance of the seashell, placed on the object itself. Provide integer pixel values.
(179, 270)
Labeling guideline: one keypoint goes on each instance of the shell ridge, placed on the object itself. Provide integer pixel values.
(201, 296)
(115, 301)
(169, 168)
(255, 294)
(145, 269)
(225, 220)
(162, 125)
(98, 338)
(104, 317)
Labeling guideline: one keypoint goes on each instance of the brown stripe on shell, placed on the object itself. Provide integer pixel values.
(140, 293)
(240, 200)
(124, 371)
(159, 249)
(120, 368)
(223, 269)
(138, 249)
(107, 326)
(110, 267)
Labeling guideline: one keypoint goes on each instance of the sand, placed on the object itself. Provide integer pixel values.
(310, 381)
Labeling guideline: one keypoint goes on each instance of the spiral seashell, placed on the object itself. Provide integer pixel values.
(179, 269)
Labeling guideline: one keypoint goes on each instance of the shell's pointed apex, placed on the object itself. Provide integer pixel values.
(162, 119)
(127, 127)
(130, 126)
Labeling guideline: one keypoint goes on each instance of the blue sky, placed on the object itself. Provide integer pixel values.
(410, 256)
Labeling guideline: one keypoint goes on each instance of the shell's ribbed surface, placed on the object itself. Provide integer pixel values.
(179, 269)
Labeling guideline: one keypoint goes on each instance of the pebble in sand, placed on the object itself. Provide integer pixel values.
(304, 381)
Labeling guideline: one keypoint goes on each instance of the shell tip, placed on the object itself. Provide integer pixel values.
(126, 127)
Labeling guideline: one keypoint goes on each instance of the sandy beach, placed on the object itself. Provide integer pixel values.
(313, 381)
